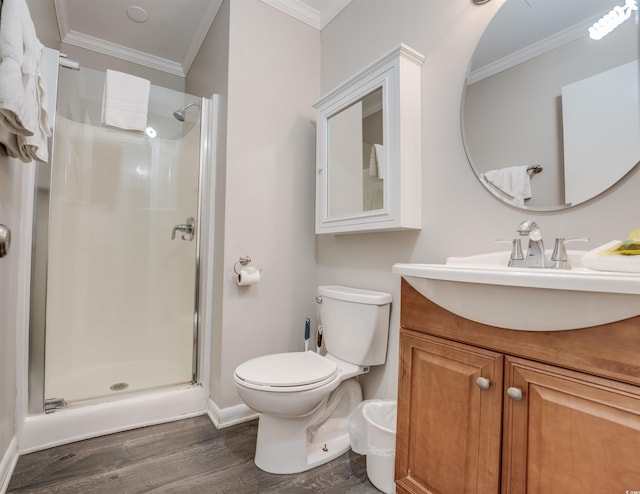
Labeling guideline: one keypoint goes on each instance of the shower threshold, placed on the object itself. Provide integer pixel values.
(124, 411)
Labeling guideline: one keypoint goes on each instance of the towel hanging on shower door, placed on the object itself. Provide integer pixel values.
(125, 102)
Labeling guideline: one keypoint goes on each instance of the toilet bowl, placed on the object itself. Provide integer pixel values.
(288, 384)
(304, 399)
(302, 425)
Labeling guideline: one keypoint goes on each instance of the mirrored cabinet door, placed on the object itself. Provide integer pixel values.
(369, 149)
(355, 180)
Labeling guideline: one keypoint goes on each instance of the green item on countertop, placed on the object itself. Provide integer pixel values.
(628, 247)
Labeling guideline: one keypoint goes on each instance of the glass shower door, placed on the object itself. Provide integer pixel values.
(120, 290)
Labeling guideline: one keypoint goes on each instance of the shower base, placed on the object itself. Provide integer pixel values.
(105, 381)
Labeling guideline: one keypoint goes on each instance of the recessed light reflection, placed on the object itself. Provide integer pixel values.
(612, 20)
(142, 171)
(151, 132)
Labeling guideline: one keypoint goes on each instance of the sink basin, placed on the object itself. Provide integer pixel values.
(484, 289)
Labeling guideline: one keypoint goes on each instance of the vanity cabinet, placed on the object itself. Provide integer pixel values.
(448, 437)
(488, 410)
(570, 432)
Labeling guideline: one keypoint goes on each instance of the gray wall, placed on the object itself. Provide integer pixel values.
(459, 216)
(209, 74)
(13, 177)
(272, 82)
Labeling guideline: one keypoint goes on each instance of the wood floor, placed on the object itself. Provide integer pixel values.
(188, 457)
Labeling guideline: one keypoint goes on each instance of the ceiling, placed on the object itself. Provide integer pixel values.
(174, 30)
(171, 32)
(527, 22)
(524, 29)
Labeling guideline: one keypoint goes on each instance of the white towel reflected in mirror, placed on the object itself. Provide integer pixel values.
(376, 161)
(512, 184)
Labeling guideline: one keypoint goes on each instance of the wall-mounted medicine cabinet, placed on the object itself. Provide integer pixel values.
(369, 149)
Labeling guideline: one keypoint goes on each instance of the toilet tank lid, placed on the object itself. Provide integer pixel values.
(357, 295)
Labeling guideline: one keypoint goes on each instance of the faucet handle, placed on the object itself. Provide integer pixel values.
(516, 249)
(580, 239)
(559, 250)
(559, 256)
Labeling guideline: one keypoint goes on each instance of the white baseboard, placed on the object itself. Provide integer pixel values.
(7, 464)
(226, 417)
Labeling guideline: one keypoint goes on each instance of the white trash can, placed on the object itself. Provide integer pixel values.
(372, 430)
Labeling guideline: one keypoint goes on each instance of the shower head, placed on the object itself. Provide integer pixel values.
(179, 114)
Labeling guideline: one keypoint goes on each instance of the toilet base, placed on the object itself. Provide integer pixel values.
(293, 445)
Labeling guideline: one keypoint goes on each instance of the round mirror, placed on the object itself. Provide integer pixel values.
(550, 116)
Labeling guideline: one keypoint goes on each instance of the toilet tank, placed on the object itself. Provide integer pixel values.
(355, 324)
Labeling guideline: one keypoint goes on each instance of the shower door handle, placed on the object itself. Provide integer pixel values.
(188, 229)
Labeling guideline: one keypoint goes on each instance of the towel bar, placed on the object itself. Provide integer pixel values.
(534, 168)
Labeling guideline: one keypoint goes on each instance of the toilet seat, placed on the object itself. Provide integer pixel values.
(286, 372)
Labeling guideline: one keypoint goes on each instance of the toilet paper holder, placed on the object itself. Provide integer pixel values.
(243, 261)
(246, 275)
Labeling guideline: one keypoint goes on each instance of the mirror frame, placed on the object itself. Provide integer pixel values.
(398, 75)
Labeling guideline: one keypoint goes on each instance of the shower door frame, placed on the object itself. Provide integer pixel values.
(35, 385)
(39, 431)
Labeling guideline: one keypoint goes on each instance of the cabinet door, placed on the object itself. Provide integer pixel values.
(569, 432)
(448, 427)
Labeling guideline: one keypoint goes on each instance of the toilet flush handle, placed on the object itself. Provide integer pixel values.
(319, 299)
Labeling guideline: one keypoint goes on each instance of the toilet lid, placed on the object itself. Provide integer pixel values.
(287, 369)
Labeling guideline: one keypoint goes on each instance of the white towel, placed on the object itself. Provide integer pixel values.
(10, 142)
(12, 44)
(376, 161)
(126, 101)
(23, 114)
(372, 192)
(512, 183)
(34, 146)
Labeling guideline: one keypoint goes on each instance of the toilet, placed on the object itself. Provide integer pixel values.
(304, 399)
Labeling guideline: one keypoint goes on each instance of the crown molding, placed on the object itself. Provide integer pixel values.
(114, 50)
(332, 10)
(198, 37)
(119, 51)
(62, 17)
(297, 9)
(541, 47)
(307, 14)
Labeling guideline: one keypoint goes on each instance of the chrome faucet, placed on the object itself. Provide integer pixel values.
(535, 257)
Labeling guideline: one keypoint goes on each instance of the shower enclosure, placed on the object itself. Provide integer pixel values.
(115, 264)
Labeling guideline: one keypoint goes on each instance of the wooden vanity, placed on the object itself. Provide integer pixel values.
(488, 410)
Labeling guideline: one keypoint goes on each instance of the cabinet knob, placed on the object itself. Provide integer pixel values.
(515, 394)
(483, 383)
